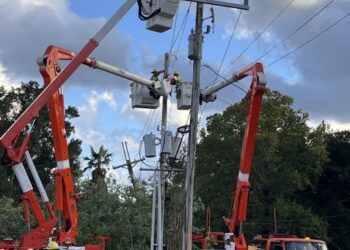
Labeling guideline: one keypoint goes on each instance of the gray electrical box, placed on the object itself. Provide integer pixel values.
(184, 95)
(176, 141)
(164, 20)
(191, 51)
(149, 141)
(141, 97)
(166, 143)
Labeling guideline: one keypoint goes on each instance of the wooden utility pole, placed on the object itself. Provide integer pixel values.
(129, 164)
(192, 139)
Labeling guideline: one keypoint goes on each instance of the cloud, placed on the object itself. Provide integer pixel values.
(31, 26)
(5, 81)
(96, 98)
(316, 75)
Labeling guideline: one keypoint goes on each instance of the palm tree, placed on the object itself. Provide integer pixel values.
(97, 163)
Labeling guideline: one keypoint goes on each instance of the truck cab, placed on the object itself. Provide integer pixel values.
(288, 242)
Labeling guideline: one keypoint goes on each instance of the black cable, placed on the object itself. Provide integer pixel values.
(173, 35)
(228, 46)
(308, 41)
(143, 15)
(222, 77)
(295, 31)
(183, 23)
(260, 34)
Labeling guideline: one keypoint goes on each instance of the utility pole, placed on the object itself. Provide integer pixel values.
(192, 140)
(154, 198)
(129, 164)
(163, 159)
(187, 234)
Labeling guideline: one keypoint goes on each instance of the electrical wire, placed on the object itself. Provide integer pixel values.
(182, 33)
(144, 127)
(260, 34)
(308, 41)
(142, 13)
(294, 31)
(222, 77)
(155, 123)
(182, 26)
(228, 45)
(174, 29)
(149, 124)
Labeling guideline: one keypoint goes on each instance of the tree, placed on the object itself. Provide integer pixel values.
(11, 220)
(332, 199)
(12, 103)
(124, 213)
(289, 158)
(97, 163)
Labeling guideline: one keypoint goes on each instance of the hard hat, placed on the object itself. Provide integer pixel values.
(176, 73)
(155, 71)
(53, 245)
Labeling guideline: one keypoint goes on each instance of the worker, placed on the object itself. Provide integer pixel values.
(230, 243)
(155, 74)
(177, 79)
(53, 245)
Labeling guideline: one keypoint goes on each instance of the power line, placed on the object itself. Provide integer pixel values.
(155, 121)
(260, 34)
(222, 77)
(173, 35)
(150, 122)
(308, 41)
(228, 45)
(295, 31)
(182, 33)
(181, 29)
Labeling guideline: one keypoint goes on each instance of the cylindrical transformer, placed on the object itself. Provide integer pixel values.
(166, 142)
(176, 141)
(191, 54)
(149, 141)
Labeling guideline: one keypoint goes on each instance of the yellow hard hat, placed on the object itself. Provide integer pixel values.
(53, 245)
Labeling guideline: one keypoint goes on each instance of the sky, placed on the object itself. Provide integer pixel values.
(316, 75)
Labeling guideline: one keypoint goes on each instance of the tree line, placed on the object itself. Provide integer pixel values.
(301, 172)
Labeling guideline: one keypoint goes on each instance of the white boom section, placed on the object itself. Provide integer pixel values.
(122, 73)
(36, 177)
(22, 177)
(114, 20)
(209, 94)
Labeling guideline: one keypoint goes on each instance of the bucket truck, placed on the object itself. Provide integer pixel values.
(16, 150)
(234, 239)
(64, 187)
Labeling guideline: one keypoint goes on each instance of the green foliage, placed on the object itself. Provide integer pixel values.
(123, 213)
(13, 103)
(296, 219)
(11, 219)
(332, 196)
(289, 158)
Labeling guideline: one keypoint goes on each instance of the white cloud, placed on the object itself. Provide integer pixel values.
(176, 117)
(31, 26)
(334, 125)
(95, 99)
(5, 81)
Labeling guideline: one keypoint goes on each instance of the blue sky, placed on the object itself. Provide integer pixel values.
(315, 76)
